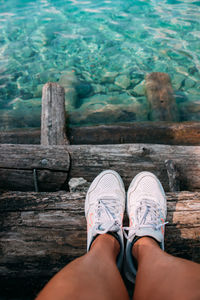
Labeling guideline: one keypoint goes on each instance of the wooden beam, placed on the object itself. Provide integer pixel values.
(53, 119)
(88, 160)
(41, 232)
(20, 136)
(185, 133)
(129, 159)
(18, 162)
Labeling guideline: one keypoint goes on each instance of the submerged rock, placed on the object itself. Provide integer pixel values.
(193, 91)
(74, 88)
(96, 98)
(83, 89)
(190, 111)
(98, 88)
(68, 79)
(178, 81)
(70, 98)
(192, 70)
(38, 91)
(109, 77)
(113, 87)
(101, 113)
(189, 83)
(26, 105)
(123, 81)
(140, 88)
(28, 52)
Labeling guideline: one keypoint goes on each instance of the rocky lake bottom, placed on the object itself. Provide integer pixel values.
(100, 53)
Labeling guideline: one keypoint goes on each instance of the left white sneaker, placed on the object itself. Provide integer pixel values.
(104, 209)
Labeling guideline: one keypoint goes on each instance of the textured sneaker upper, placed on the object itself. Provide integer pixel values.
(104, 207)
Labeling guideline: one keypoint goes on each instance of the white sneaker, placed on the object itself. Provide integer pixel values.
(104, 209)
(146, 208)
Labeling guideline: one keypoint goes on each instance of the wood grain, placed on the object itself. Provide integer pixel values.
(17, 164)
(37, 226)
(53, 118)
(130, 159)
(41, 232)
(172, 133)
(88, 160)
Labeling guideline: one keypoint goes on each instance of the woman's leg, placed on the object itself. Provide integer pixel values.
(163, 276)
(93, 276)
(158, 274)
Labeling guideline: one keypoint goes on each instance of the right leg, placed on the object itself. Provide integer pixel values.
(159, 275)
(163, 276)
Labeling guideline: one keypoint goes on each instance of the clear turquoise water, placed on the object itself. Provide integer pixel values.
(108, 45)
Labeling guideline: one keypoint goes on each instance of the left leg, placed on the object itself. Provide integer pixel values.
(93, 276)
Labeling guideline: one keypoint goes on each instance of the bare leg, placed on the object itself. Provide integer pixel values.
(92, 276)
(163, 276)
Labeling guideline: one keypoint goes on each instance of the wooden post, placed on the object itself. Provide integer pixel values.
(53, 120)
(160, 97)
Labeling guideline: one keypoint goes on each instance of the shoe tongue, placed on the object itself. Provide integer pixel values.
(144, 215)
(107, 215)
(105, 211)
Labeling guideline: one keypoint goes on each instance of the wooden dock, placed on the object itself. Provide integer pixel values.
(42, 217)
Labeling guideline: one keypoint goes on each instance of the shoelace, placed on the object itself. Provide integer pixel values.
(148, 216)
(106, 211)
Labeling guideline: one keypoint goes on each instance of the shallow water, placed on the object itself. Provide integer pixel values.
(100, 51)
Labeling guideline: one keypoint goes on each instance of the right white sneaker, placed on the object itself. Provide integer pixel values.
(146, 208)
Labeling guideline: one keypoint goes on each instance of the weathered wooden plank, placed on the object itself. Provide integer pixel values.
(41, 232)
(129, 159)
(160, 96)
(53, 119)
(20, 136)
(185, 133)
(60, 229)
(19, 162)
(23, 180)
(88, 160)
(28, 157)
